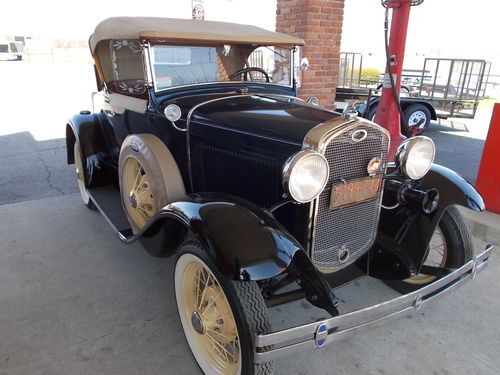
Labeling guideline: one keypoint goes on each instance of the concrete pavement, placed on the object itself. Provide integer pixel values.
(75, 300)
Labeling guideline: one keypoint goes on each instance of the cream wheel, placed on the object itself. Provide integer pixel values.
(80, 177)
(149, 178)
(219, 317)
(436, 257)
(138, 198)
(450, 247)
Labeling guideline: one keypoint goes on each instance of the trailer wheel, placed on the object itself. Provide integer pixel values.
(418, 119)
(220, 317)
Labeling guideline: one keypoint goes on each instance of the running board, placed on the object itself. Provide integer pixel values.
(108, 201)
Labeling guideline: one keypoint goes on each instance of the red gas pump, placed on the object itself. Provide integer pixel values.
(389, 113)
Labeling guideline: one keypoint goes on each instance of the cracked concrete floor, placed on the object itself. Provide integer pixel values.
(33, 169)
(75, 300)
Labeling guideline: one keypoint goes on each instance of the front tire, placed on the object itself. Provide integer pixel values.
(450, 247)
(220, 317)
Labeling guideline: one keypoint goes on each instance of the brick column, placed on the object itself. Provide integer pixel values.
(319, 23)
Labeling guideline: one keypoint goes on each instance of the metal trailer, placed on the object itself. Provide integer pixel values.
(442, 88)
(453, 86)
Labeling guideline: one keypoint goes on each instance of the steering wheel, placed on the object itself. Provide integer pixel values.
(246, 70)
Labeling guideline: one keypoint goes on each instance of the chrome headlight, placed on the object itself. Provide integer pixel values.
(415, 156)
(305, 175)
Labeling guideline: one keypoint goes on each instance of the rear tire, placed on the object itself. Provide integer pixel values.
(80, 177)
(457, 250)
(220, 317)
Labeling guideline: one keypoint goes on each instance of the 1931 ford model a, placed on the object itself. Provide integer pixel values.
(198, 147)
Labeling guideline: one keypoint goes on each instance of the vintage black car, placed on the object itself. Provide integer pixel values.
(198, 147)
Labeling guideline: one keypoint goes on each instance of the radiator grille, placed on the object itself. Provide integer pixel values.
(350, 229)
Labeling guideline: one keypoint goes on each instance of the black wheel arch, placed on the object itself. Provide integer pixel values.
(245, 242)
(86, 129)
(405, 232)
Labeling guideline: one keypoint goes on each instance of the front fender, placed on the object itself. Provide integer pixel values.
(405, 232)
(245, 241)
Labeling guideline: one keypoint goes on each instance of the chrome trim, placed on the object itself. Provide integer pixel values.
(404, 150)
(317, 139)
(303, 337)
(291, 163)
(355, 135)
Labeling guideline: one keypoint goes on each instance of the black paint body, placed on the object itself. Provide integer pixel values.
(238, 147)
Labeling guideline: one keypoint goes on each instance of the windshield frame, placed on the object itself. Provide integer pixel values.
(152, 79)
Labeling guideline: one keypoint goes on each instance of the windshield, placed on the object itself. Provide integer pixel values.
(184, 65)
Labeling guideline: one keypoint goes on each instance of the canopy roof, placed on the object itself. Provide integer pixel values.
(186, 30)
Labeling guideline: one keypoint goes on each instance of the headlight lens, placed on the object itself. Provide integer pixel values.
(415, 156)
(305, 175)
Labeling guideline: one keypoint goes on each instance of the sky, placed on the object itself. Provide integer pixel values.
(438, 28)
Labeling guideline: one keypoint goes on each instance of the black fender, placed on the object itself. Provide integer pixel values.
(405, 232)
(86, 129)
(244, 241)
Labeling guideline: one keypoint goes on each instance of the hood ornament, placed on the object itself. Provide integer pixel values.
(350, 111)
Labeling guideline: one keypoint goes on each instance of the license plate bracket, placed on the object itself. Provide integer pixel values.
(354, 191)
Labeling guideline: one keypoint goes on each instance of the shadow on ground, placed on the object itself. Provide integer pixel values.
(33, 169)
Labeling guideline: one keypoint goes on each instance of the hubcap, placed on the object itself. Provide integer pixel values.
(132, 199)
(197, 322)
(141, 204)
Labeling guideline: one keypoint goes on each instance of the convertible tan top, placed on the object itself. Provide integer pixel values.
(186, 30)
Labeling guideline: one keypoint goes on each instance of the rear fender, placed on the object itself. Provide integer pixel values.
(86, 129)
(405, 232)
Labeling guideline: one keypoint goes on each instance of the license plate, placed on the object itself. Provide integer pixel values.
(354, 191)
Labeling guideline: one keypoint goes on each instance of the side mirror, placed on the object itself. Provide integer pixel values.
(304, 63)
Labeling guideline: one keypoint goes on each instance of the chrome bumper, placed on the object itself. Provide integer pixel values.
(324, 332)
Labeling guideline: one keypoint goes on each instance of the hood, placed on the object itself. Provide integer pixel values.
(273, 117)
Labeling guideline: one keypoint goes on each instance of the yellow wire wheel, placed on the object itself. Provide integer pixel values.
(436, 257)
(149, 178)
(137, 194)
(218, 321)
(450, 247)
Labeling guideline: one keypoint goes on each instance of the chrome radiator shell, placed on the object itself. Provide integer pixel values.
(350, 229)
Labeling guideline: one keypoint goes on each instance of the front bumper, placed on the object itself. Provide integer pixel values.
(318, 334)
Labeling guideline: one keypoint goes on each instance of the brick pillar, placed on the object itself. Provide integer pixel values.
(319, 23)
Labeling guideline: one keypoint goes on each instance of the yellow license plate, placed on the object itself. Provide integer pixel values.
(354, 191)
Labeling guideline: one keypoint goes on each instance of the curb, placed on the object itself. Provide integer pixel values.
(484, 225)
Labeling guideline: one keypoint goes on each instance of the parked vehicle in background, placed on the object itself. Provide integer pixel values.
(9, 51)
(443, 88)
(262, 197)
